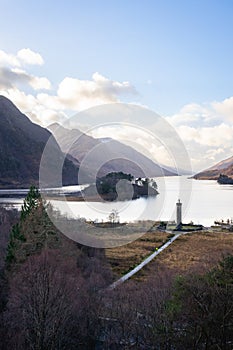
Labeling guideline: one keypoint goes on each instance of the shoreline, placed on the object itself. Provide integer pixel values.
(96, 198)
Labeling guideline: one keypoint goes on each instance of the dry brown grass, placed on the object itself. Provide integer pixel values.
(124, 258)
(197, 251)
(193, 252)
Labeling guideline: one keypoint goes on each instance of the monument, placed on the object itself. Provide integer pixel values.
(178, 213)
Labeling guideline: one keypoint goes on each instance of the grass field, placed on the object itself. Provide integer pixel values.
(124, 258)
(197, 251)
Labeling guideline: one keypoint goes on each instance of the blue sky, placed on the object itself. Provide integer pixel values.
(176, 56)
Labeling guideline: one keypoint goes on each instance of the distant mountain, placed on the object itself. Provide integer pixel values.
(225, 167)
(21, 146)
(179, 171)
(106, 155)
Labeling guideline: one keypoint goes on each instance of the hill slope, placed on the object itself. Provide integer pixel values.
(21, 146)
(106, 155)
(225, 167)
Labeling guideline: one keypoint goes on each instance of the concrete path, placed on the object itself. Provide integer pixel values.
(143, 263)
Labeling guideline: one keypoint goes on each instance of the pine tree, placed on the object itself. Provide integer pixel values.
(31, 202)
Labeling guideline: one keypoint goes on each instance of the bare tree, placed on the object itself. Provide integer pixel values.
(114, 216)
(43, 297)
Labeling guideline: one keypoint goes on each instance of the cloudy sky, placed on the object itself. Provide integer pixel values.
(172, 56)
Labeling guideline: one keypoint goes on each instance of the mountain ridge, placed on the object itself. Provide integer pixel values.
(22, 143)
(106, 154)
(224, 167)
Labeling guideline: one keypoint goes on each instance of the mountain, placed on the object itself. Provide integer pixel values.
(21, 147)
(225, 167)
(102, 156)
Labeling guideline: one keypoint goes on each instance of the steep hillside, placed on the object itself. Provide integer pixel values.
(21, 146)
(225, 167)
(106, 155)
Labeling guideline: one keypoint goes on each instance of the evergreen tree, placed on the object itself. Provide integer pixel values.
(31, 202)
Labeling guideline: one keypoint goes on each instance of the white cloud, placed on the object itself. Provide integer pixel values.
(12, 77)
(23, 56)
(75, 94)
(224, 108)
(217, 136)
(33, 108)
(50, 101)
(72, 94)
(207, 145)
(50, 116)
(8, 59)
(28, 56)
(206, 114)
(80, 94)
(25, 102)
(194, 114)
(40, 83)
(213, 152)
(206, 130)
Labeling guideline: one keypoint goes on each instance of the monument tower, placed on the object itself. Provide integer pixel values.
(178, 213)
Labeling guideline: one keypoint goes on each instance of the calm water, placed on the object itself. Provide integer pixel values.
(203, 202)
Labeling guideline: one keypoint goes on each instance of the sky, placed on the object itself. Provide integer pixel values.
(173, 57)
